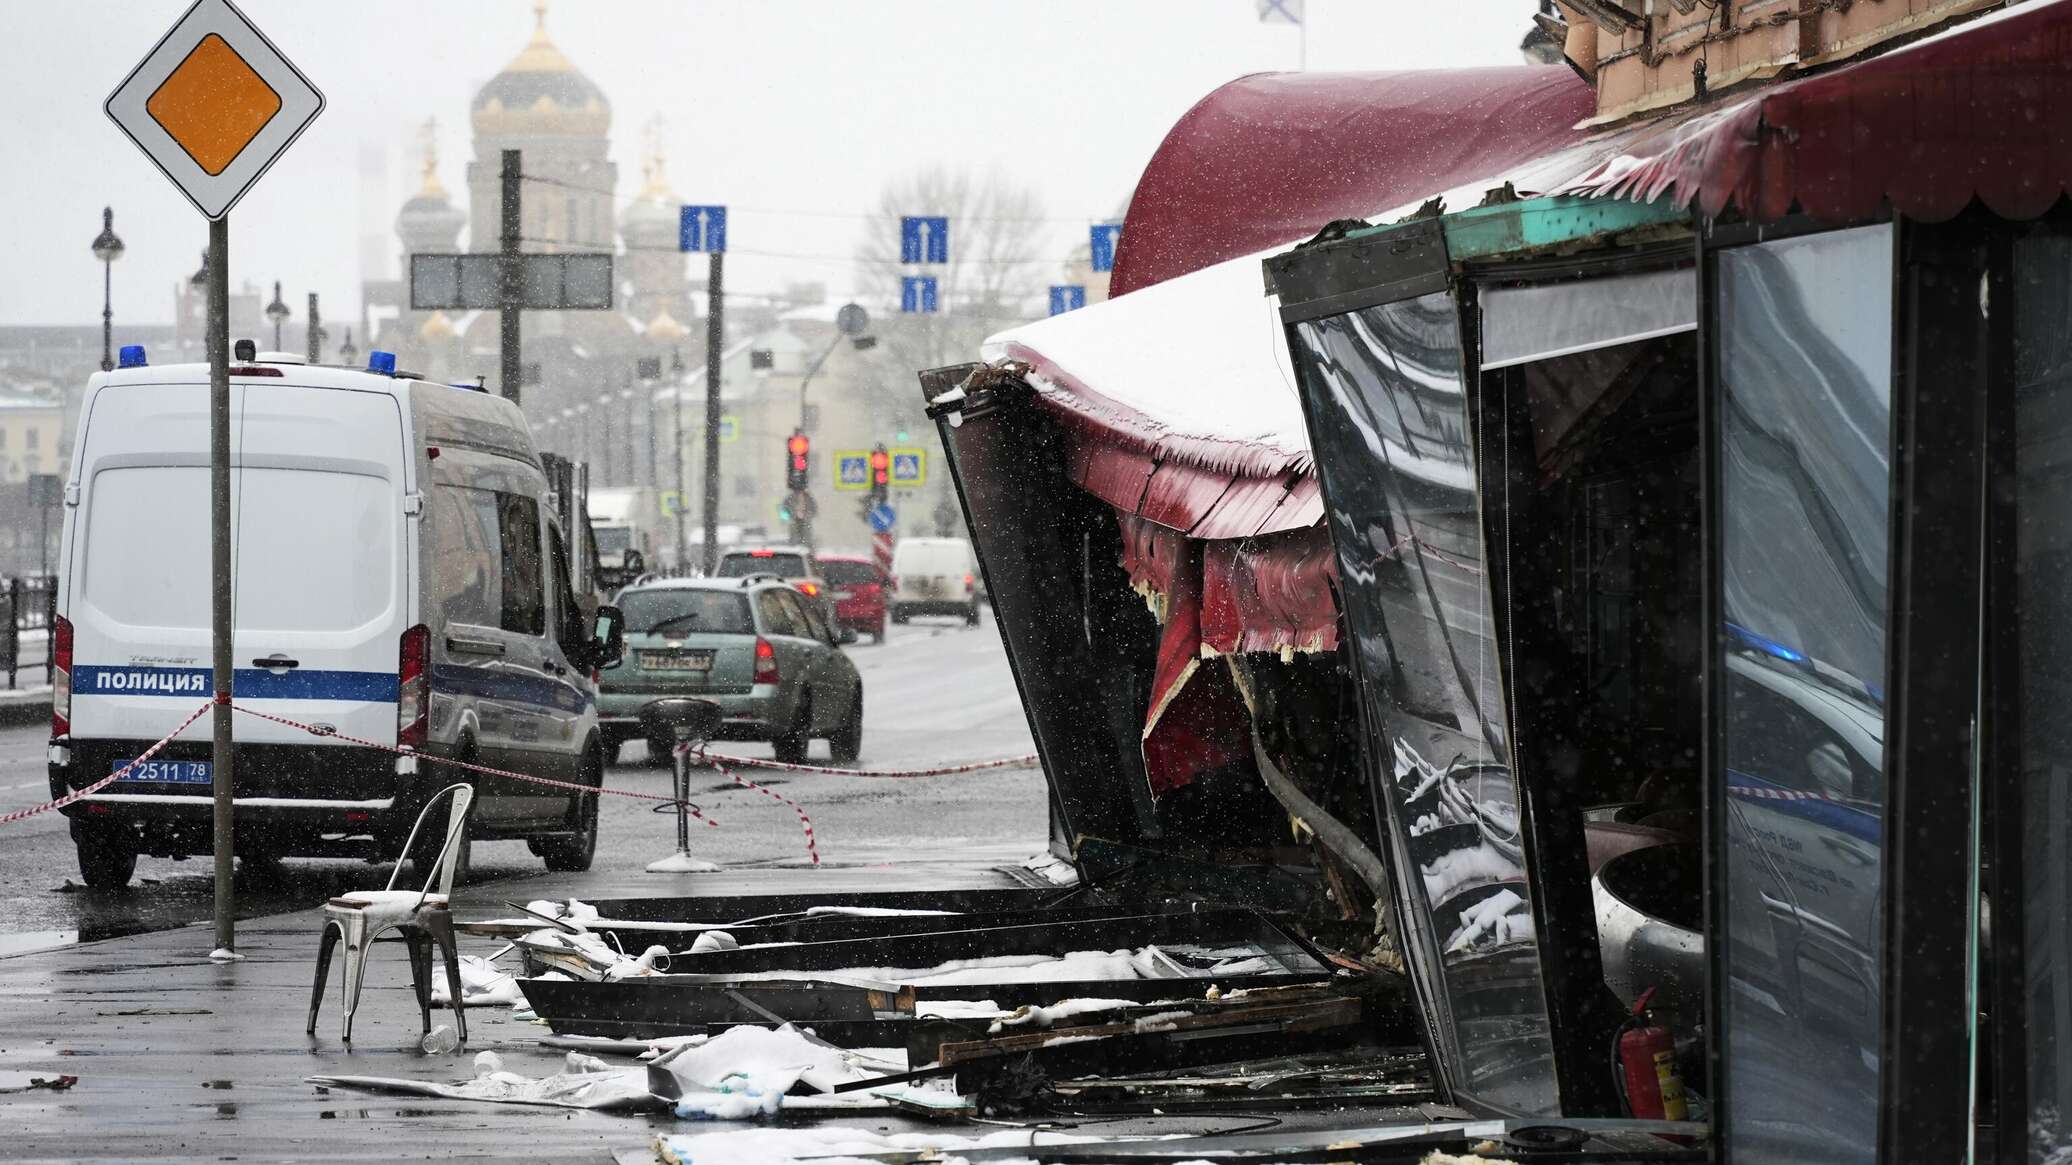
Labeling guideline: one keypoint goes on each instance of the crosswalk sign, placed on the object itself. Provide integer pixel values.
(909, 467)
(852, 469)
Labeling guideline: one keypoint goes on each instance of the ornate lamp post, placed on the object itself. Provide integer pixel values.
(277, 311)
(347, 354)
(107, 248)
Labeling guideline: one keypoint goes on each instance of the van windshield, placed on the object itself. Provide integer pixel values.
(781, 565)
(684, 610)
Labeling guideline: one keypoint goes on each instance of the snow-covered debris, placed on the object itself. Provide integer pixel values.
(1051, 1016)
(581, 1085)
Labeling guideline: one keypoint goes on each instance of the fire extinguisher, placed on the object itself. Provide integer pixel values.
(1647, 1066)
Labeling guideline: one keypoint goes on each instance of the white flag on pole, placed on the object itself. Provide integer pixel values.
(1289, 11)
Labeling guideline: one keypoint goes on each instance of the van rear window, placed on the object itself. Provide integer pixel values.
(315, 549)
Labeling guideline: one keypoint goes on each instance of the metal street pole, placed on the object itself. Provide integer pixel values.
(715, 336)
(218, 340)
(315, 337)
(107, 247)
(683, 497)
(511, 279)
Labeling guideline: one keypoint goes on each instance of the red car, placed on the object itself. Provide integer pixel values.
(858, 589)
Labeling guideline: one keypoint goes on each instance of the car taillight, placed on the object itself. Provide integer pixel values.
(968, 580)
(809, 588)
(61, 678)
(414, 686)
(765, 661)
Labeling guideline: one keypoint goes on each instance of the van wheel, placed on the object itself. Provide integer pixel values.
(573, 854)
(847, 742)
(899, 616)
(107, 859)
(793, 746)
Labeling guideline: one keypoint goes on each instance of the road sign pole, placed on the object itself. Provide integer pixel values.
(313, 342)
(715, 336)
(218, 339)
(510, 278)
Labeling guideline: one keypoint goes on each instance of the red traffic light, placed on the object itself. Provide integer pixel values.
(881, 459)
(799, 444)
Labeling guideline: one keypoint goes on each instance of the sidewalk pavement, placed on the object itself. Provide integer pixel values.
(26, 704)
(179, 1058)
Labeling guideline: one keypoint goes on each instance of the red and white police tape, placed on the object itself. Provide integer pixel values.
(1007, 762)
(111, 778)
(485, 770)
(812, 850)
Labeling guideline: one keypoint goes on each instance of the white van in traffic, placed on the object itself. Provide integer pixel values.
(934, 576)
(398, 579)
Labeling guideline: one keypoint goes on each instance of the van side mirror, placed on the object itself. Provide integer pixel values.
(634, 564)
(608, 640)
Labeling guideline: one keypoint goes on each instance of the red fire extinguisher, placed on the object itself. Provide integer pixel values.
(1647, 1066)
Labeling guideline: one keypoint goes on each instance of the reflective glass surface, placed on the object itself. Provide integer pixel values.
(2043, 546)
(1391, 437)
(1804, 357)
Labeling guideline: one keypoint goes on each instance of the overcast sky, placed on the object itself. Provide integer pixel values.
(792, 112)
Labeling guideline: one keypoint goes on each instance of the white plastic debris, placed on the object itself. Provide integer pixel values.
(225, 955)
(714, 940)
(487, 1064)
(1045, 1017)
(440, 1041)
(623, 1090)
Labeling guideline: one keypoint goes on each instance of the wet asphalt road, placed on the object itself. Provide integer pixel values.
(935, 693)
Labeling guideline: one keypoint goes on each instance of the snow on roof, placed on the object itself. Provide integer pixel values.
(1196, 366)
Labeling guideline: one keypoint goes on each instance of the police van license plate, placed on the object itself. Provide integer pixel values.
(169, 772)
(698, 661)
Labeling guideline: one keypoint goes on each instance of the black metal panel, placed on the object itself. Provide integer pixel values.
(734, 908)
(1330, 278)
(1939, 402)
(1050, 556)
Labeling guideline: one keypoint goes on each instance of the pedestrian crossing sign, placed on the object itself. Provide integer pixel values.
(909, 468)
(852, 469)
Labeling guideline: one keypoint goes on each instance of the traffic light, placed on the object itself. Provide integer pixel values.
(798, 449)
(881, 474)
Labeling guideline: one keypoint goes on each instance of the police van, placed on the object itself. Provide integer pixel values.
(399, 579)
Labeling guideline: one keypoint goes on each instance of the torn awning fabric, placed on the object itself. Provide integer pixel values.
(1982, 110)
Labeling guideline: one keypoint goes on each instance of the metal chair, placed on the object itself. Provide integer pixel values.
(420, 917)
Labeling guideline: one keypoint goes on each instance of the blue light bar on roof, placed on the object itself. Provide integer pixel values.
(383, 363)
(131, 356)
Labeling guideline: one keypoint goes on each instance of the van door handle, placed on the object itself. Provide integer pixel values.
(474, 646)
(276, 660)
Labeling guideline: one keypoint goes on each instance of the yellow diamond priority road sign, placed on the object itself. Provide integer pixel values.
(214, 104)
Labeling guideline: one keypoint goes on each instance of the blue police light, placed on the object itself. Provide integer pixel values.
(381, 362)
(131, 356)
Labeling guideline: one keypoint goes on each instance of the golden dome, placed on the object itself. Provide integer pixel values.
(665, 328)
(541, 91)
(436, 327)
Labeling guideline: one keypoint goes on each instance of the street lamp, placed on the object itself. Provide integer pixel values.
(347, 354)
(107, 248)
(277, 311)
(850, 324)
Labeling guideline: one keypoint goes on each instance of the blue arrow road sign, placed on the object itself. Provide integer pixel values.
(1066, 297)
(1104, 237)
(881, 517)
(702, 228)
(917, 294)
(924, 239)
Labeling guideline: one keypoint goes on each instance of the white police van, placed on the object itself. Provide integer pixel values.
(399, 578)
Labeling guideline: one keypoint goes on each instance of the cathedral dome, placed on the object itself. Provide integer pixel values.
(430, 223)
(541, 92)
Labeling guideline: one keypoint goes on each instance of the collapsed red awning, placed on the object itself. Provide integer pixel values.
(1983, 110)
(1268, 159)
